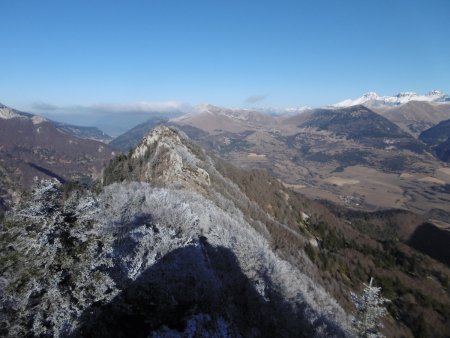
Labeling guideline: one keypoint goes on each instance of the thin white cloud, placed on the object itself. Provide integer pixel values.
(145, 107)
(141, 107)
(112, 118)
(43, 106)
(255, 98)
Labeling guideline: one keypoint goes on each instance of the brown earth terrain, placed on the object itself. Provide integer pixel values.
(351, 156)
(31, 147)
(347, 246)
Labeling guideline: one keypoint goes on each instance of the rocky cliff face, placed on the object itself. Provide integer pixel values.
(169, 162)
(169, 247)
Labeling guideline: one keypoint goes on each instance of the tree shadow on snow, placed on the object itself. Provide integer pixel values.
(198, 291)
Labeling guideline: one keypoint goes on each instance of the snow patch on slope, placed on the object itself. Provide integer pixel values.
(7, 113)
(38, 119)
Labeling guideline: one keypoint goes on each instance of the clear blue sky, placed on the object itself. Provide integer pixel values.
(291, 52)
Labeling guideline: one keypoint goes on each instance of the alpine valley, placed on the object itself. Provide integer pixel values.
(228, 222)
(366, 157)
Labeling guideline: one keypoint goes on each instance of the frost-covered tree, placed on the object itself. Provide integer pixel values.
(369, 311)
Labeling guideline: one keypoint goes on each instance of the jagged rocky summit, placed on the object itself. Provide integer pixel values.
(167, 247)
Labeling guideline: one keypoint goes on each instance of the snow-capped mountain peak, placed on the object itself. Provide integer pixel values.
(435, 92)
(372, 99)
(406, 94)
(7, 113)
(205, 107)
(371, 95)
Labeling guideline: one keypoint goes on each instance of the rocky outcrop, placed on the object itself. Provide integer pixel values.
(170, 161)
(163, 158)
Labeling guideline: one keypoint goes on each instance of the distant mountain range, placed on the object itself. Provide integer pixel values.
(318, 135)
(309, 148)
(438, 138)
(352, 155)
(414, 117)
(91, 133)
(32, 146)
(362, 125)
(374, 100)
(116, 123)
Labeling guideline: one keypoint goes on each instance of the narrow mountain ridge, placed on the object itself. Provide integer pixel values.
(132, 137)
(175, 242)
(173, 253)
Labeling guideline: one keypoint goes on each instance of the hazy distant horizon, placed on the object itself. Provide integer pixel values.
(116, 118)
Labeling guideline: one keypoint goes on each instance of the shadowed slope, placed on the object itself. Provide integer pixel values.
(198, 289)
(432, 241)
